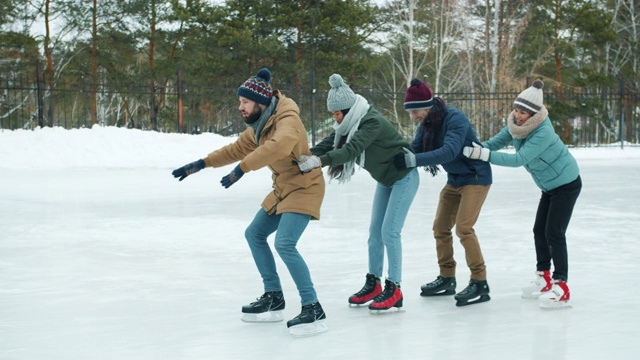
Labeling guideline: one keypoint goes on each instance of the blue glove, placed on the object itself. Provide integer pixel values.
(188, 169)
(233, 176)
(406, 160)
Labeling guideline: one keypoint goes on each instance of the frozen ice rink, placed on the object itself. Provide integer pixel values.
(104, 255)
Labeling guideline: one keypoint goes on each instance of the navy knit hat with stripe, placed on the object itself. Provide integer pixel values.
(418, 96)
(258, 88)
(531, 99)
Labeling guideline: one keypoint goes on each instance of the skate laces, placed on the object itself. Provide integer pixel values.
(260, 299)
(309, 310)
(435, 283)
(383, 295)
(469, 288)
(264, 298)
(365, 290)
(368, 287)
(306, 309)
(387, 293)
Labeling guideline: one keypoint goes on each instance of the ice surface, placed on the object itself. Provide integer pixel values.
(104, 255)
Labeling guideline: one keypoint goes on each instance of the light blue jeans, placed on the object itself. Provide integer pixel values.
(288, 228)
(390, 208)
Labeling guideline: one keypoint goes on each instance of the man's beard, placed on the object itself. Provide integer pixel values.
(254, 116)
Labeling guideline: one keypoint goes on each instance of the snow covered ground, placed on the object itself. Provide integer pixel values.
(104, 255)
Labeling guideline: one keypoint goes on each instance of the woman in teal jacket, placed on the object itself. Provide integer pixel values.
(555, 171)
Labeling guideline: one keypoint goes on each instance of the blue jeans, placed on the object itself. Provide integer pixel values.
(288, 228)
(390, 208)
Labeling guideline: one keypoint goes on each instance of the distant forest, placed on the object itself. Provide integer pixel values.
(134, 62)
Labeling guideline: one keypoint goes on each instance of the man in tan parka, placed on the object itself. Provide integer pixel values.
(275, 137)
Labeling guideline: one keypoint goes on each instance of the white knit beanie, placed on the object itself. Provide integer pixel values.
(340, 97)
(531, 98)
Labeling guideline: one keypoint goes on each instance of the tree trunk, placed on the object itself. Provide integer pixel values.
(94, 64)
(153, 107)
(48, 71)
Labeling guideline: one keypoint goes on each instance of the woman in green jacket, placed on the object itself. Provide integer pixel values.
(362, 136)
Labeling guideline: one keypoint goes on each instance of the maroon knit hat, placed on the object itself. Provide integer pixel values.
(418, 97)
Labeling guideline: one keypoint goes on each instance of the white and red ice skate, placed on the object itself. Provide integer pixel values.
(556, 298)
(541, 284)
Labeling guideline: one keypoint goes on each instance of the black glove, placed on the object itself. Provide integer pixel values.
(188, 169)
(405, 160)
(233, 176)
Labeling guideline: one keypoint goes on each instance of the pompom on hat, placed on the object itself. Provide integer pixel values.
(418, 96)
(340, 97)
(531, 99)
(257, 88)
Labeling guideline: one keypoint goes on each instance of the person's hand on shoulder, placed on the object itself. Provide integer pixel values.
(476, 152)
(405, 160)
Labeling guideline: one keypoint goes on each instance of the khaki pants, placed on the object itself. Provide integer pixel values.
(459, 206)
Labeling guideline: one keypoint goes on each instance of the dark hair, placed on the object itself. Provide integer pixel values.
(520, 107)
(432, 125)
(336, 171)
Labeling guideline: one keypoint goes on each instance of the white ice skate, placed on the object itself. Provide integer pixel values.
(557, 298)
(541, 284)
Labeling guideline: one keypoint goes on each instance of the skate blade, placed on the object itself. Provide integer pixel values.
(265, 317)
(555, 305)
(303, 330)
(476, 300)
(530, 296)
(352, 305)
(385, 311)
(441, 293)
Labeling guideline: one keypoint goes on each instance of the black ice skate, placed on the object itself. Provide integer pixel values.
(266, 308)
(476, 292)
(311, 321)
(440, 286)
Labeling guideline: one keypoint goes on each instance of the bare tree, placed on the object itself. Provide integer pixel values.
(402, 44)
(446, 44)
(626, 50)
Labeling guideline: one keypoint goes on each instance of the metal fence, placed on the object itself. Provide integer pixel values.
(607, 117)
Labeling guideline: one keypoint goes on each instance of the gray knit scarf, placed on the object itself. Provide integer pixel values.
(348, 127)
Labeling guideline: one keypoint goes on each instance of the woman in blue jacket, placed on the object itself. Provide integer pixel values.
(555, 171)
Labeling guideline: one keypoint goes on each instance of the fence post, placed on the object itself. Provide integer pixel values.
(40, 93)
(621, 126)
(180, 113)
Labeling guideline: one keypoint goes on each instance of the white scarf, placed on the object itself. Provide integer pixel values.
(348, 127)
(522, 131)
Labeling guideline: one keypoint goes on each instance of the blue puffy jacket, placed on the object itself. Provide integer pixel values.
(455, 133)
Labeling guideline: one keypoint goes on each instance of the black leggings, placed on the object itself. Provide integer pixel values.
(552, 218)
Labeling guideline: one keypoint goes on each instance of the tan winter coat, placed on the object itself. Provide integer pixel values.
(282, 141)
